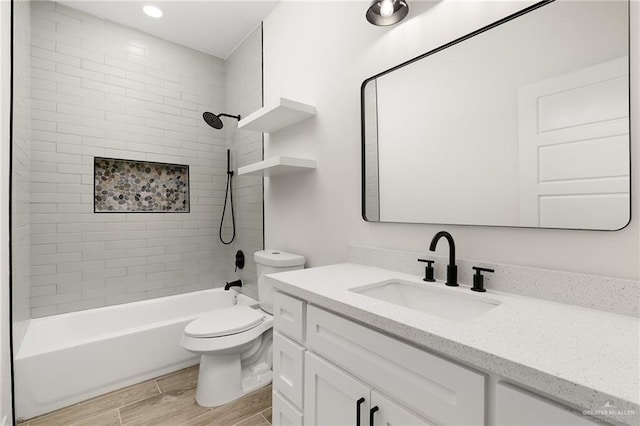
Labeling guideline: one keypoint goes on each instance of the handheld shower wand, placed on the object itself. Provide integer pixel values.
(228, 193)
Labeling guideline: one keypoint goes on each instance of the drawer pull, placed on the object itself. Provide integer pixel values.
(358, 404)
(371, 413)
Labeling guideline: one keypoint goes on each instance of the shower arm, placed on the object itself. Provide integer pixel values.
(222, 114)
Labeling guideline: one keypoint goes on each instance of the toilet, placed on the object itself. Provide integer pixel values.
(235, 343)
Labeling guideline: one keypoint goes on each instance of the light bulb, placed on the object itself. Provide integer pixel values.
(386, 8)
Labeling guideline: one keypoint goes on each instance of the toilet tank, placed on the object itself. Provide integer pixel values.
(271, 262)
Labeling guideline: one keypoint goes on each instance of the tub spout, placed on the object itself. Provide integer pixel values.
(236, 283)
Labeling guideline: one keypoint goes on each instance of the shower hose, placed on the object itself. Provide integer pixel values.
(228, 193)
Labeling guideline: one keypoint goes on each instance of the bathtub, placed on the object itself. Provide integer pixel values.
(68, 358)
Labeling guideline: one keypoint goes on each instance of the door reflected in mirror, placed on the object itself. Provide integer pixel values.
(524, 123)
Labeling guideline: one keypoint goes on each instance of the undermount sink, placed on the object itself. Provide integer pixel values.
(420, 297)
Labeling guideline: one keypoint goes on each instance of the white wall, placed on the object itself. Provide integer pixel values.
(5, 323)
(320, 53)
(101, 89)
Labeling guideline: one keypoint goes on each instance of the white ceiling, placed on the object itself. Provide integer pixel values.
(215, 27)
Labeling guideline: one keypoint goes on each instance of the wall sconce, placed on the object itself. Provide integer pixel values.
(387, 12)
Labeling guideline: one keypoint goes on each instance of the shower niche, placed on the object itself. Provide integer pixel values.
(128, 186)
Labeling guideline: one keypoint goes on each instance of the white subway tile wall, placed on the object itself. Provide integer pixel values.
(244, 96)
(101, 89)
(22, 164)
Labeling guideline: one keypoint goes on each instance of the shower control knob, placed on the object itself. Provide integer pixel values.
(239, 260)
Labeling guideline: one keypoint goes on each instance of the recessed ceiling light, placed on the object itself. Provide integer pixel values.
(152, 11)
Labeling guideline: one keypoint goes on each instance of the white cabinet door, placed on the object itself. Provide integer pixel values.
(288, 358)
(332, 396)
(517, 407)
(283, 413)
(387, 413)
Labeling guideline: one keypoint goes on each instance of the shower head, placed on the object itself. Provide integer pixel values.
(214, 121)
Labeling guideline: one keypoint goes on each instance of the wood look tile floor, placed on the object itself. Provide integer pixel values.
(168, 401)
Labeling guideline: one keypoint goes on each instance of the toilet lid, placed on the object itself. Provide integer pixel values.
(224, 322)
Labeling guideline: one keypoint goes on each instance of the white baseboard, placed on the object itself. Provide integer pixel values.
(5, 421)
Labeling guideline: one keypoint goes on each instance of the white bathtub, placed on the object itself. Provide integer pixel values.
(71, 357)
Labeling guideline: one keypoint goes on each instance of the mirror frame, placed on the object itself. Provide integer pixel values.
(450, 44)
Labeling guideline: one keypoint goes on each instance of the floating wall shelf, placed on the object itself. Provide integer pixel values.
(277, 166)
(271, 118)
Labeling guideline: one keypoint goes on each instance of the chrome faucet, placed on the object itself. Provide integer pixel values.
(452, 269)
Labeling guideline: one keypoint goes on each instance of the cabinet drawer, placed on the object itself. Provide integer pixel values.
(442, 391)
(288, 314)
(283, 413)
(518, 407)
(288, 368)
(390, 413)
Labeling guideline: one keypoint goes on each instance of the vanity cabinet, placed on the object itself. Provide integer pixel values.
(329, 370)
(345, 362)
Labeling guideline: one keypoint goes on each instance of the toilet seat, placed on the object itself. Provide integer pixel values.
(224, 322)
(228, 343)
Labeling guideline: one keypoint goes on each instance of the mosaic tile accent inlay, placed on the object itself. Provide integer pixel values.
(138, 186)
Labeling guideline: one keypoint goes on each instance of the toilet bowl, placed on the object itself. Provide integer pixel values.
(235, 343)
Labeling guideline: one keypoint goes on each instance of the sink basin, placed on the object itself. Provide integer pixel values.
(420, 297)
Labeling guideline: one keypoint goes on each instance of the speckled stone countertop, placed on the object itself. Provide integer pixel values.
(582, 357)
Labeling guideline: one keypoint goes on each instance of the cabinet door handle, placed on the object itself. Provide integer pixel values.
(371, 413)
(358, 404)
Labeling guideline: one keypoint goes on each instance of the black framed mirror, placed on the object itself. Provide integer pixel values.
(522, 123)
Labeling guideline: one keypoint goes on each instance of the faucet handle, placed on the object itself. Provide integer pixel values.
(428, 270)
(478, 278)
